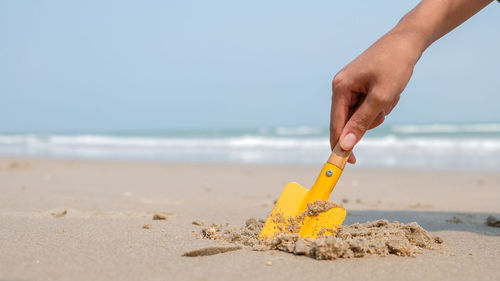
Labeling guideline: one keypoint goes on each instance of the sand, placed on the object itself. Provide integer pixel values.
(101, 236)
(379, 237)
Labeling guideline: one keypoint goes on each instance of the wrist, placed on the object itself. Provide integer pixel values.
(417, 35)
(408, 43)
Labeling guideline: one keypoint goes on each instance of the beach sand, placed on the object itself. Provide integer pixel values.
(93, 220)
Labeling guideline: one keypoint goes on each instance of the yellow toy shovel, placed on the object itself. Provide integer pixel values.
(294, 199)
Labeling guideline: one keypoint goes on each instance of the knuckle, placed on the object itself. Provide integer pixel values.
(380, 118)
(388, 110)
(380, 98)
(339, 80)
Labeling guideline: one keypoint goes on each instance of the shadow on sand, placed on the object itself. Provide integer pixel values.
(430, 220)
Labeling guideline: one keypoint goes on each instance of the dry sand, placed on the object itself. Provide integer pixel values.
(83, 220)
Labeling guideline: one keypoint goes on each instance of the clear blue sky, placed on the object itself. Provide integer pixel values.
(125, 65)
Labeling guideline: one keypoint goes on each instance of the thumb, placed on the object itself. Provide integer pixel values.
(359, 123)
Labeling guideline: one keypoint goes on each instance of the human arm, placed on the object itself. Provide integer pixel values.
(368, 88)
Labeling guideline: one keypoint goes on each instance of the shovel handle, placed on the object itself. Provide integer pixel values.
(339, 156)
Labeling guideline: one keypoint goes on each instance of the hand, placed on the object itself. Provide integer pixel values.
(368, 88)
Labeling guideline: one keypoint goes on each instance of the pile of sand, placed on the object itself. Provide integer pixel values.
(380, 238)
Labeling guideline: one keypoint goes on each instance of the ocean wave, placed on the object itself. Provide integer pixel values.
(446, 128)
(416, 145)
(299, 131)
(173, 142)
(390, 150)
(391, 143)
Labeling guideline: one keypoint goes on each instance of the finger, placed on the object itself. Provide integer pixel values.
(394, 103)
(339, 113)
(352, 158)
(361, 120)
(378, 120)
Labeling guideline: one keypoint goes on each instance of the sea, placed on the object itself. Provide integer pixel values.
(468, 146)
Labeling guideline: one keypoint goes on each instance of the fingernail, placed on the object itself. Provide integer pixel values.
(348, 141)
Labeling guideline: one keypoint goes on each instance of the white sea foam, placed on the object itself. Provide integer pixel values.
(248, 141)
(447, 128)
(175, 142)
(389, 150)
(436, 146)
(391, 142)
(302, 130)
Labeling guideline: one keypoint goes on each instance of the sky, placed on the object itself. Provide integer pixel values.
(83, 66)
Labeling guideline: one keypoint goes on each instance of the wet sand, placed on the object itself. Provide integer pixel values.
(84, 220)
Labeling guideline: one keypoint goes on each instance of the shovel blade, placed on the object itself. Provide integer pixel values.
(293, 201)
(287, 206)
(326, 223)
